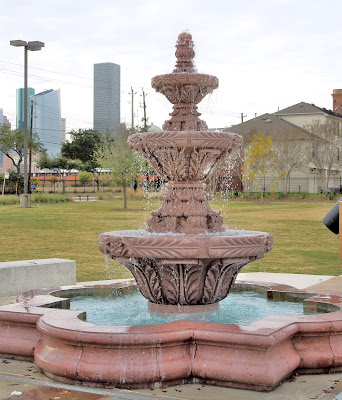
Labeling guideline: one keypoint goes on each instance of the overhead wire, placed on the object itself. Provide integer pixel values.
(46, 70)
(155, 97)
(42, 78)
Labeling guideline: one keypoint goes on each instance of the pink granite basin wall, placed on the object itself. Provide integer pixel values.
(258, 356)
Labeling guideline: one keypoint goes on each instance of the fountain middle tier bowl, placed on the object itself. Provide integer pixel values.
(186, 270)
(185, 155)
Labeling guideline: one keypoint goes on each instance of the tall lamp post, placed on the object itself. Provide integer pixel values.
(32, 46)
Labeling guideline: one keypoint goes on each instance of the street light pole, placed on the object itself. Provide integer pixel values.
(25, 123)
(32, 46)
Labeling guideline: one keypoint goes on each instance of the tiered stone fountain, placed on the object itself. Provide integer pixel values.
(185, 257)
(184, 261)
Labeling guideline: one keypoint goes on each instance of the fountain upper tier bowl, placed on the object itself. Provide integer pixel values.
(185, 155)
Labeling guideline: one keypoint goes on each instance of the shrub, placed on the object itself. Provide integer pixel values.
(9, 200)
(331, 195)
(281, 195)
(41, 198)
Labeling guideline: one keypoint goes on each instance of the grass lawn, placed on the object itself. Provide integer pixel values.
(302, 244)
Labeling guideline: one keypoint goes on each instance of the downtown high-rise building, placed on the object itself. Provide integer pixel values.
(20, 107)
(107, 98)
(46, 120)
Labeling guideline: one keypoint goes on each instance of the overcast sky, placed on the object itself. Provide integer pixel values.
(266, 54)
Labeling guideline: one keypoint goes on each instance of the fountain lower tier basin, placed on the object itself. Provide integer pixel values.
(258, 356)
(185, 270)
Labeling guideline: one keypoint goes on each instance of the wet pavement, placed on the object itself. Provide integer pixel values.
(22, 380)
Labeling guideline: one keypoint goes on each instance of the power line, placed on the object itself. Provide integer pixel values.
(155, 96)
(42, 78)
(46, 70)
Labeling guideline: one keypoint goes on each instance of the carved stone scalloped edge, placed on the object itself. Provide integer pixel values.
(164, 246)
(216, 140)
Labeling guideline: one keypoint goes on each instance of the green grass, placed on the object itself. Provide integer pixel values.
(69, 230)
(301, 243)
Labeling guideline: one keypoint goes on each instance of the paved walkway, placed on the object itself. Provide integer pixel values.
(25, 377)
(20, 380)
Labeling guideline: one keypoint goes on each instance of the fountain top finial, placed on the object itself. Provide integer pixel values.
(185, 88)
(185, 53)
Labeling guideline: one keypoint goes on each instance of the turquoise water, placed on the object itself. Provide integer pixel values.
(131, 309)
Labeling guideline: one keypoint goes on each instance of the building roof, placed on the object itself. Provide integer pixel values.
(43, 93)
(154, 128)
(306, 108)
(271, 125)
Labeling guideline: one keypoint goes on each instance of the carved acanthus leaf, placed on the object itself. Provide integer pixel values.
(170, 283)
(226, 280)
(193, 282)
(249, 245)
(159, 247)
(142, 281)
(210, 282)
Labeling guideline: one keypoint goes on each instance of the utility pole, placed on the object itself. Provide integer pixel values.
(144, 107)
(243, 116)
(132, 108)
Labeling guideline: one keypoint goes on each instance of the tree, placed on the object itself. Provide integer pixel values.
(82, 146)
(53, 181)
(12, 145)
(85, 177)
(326, 147)
(58, 164)
(124, 164)
(12, 181)
(258, 160)
(290, 154)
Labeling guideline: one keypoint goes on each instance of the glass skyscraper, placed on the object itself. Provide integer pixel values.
(20, 107)
(47, 120)
(107, 97)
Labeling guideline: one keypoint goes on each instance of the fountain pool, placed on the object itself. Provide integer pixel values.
(240, 308)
